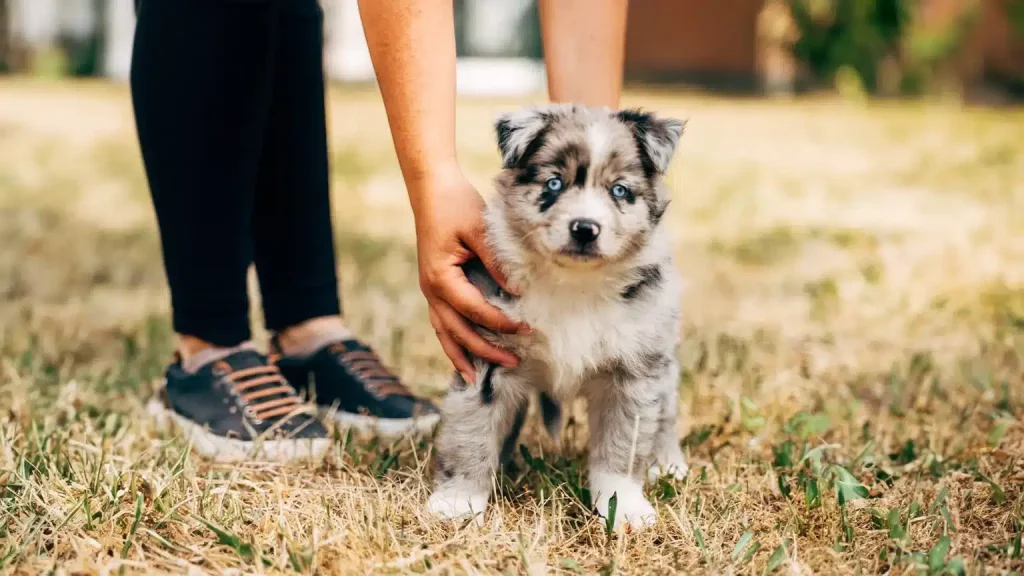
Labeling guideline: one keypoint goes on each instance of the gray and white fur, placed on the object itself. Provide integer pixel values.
(576, 225)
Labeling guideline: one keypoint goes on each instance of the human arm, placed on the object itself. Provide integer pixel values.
(412, 47)
(584, 49)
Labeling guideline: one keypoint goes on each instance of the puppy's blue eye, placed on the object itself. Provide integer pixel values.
(620, 191)
(554, 184)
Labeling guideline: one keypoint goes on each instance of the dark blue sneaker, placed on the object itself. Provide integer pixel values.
(242, 408)
(351, 385)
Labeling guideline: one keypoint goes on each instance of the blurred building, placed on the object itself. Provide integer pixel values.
(498, 44)
(730, 44)
(498, 40)
(667, 41)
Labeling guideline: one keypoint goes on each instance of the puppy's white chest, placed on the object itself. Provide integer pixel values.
(574, 335)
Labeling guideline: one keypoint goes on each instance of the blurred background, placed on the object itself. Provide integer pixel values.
(972, 48)
(848, 215)
(836, 150)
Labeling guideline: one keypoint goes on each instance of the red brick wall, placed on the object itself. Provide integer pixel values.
(672, 36)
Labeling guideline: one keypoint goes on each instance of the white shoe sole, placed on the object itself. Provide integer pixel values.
(221, 449)
(386, 427)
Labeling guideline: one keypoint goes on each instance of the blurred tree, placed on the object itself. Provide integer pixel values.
(885, 47)
(934, 55)
(1015, 13)
(840, 37)
(776, 33)
(82, 39)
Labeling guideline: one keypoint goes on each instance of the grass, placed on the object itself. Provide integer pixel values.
(853, 359)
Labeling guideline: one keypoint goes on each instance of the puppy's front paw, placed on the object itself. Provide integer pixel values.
(452, 503)
(672, 464)
(632, 510)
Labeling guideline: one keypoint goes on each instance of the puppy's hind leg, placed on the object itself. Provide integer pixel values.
(476, 423)
(623, 423)
(668, 457)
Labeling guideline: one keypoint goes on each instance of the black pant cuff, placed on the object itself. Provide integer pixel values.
(285, 309)
(218, 329)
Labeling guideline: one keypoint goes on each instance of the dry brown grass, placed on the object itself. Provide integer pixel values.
(856, 284)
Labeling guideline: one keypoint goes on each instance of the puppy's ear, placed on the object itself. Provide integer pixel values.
(520, 135)
(656, 138)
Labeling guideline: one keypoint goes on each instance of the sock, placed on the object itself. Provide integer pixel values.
(195, 362)
(312, 339)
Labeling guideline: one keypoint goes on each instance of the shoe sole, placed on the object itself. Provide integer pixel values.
(221, 449)
(385, 427)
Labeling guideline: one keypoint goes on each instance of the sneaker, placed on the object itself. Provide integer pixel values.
(353, 387)
(241, 408)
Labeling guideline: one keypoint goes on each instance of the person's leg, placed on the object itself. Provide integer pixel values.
(201, 79)
(200, 82)
(584, 48)
(292, 236)
(294, 249)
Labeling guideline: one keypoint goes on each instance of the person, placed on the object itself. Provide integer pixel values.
(230, 114)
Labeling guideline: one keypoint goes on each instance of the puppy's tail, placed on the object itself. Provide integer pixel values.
(551, 413)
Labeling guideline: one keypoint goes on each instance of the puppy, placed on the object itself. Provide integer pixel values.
(576, 225)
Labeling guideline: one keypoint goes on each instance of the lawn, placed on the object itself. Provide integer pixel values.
(853, 358)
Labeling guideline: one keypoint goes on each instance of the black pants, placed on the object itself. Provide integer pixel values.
(229, 107)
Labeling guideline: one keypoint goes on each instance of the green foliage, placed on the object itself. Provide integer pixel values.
(856, 44)
(738, 549)
(609, 522)
(779, 555)
(228, 538)
(1015, 14)
(850, 35)
(50, 63)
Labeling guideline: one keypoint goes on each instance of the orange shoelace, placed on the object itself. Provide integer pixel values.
(366, 366)
(261, 382)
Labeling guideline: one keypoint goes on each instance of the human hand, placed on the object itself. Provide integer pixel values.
(449, 232)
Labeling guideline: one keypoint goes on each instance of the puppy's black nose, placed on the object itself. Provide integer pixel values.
(584, 230)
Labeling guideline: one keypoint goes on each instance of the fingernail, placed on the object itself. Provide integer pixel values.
(524, 329)
(466, 378)
(514, 289)
(511, 363)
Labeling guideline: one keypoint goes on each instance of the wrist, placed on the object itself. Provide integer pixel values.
(422, 184)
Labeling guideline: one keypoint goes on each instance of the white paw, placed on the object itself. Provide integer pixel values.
(632, 510)
(673, 465)
(451, 503)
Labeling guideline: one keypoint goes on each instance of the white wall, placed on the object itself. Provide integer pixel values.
(35, 22)
(39, 22)
(117, 56)
(346, 57)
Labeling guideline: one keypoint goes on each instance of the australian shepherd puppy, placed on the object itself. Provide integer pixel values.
(577, 225)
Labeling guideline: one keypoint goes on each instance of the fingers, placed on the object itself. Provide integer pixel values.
(455, 353)
(478, 246)
(460, 294)
(464, 334)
